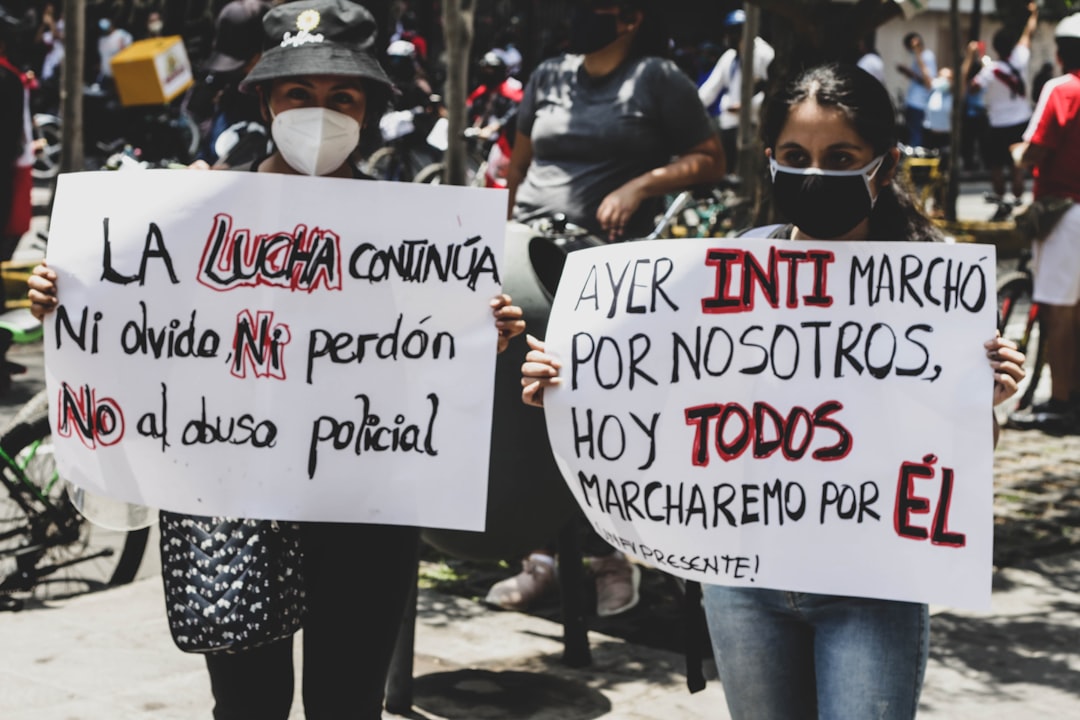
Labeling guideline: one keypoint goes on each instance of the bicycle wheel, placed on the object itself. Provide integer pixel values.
(1018, 320)
(189, 137)
(431, 175)
(94, 558)
(383, 164)
(47, 161)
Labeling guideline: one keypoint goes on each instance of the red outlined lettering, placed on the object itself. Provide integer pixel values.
(94, 421)
(259, 345)
(301, 260)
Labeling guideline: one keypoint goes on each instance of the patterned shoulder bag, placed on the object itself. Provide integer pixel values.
(230, 584)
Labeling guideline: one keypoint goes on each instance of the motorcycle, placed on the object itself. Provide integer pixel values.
(161, 134)
(413, 138)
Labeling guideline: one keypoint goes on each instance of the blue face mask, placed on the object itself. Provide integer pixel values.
(104, 25)
(824, 204)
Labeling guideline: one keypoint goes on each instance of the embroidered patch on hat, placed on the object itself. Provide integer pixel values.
(306, 22)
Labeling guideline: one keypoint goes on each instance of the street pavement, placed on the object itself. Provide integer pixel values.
(109, 654)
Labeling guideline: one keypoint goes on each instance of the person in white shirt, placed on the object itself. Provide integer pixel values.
(921, 73)
(725, 81)
(870, 61)
(1008, 108)
(113, 39)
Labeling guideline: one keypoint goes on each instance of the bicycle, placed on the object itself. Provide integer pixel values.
(476, 160)
(48, 549)
(1019, 321)
(412, 141)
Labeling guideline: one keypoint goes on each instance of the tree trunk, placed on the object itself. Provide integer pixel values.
(71, 88)
(952, 177)
(458, 28)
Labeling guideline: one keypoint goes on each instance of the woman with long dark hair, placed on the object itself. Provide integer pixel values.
(831, 143)
(322, 93)
(792, 654)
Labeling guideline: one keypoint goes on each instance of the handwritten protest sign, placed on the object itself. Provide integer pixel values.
(270, 346)
(800, 416)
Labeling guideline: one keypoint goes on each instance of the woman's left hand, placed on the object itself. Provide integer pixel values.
(509, 319)
(1008, 365)
(616, 210)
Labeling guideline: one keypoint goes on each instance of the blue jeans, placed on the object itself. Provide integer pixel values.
(914, 118)
(784, 655)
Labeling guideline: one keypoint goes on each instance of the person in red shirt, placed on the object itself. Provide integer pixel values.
(16, 143)
(1053, 149)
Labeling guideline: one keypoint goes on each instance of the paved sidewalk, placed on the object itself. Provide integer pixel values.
(109, 656)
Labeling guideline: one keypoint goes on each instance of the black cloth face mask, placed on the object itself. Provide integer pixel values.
(592, 31)
(824, 204)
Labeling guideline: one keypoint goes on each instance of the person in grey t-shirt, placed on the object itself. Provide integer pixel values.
(603, 134)
(597, 134)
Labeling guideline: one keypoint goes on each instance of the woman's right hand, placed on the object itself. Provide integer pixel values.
(42, 293)
(539, 371)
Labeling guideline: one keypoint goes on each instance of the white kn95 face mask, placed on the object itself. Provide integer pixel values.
(315, 141)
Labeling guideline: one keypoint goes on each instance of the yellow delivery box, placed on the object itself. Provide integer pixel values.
(152, 71)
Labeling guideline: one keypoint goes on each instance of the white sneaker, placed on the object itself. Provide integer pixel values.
(617, 581)
(536, 579)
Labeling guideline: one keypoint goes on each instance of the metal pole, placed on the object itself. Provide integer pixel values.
(976, 19)
(745, 144)
(71, 87)
(952, 178)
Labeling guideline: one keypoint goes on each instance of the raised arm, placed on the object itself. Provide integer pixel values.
(1029, 27)
(701, 165)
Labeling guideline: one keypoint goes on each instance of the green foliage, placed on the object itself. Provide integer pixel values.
(1054, 10)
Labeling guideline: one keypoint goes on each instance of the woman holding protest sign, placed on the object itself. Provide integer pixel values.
(832, 147)
(323, 91)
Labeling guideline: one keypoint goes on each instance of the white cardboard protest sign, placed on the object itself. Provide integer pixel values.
(810, 416)
(271, 346)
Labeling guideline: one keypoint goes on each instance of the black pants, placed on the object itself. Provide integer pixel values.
(589, 541)
(358, 579)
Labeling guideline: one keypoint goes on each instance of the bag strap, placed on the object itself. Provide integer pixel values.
(695, 631)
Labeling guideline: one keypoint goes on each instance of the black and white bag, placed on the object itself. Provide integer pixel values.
(230, 584)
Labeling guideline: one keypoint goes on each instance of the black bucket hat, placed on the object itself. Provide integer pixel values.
(317, 37)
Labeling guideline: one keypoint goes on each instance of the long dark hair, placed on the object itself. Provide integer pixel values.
(866, 103)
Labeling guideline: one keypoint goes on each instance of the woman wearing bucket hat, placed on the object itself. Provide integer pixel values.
(319, 86)
(322, 92)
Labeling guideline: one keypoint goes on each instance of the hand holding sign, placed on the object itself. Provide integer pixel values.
(265, 351)
(539, 371)
(716, 405)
